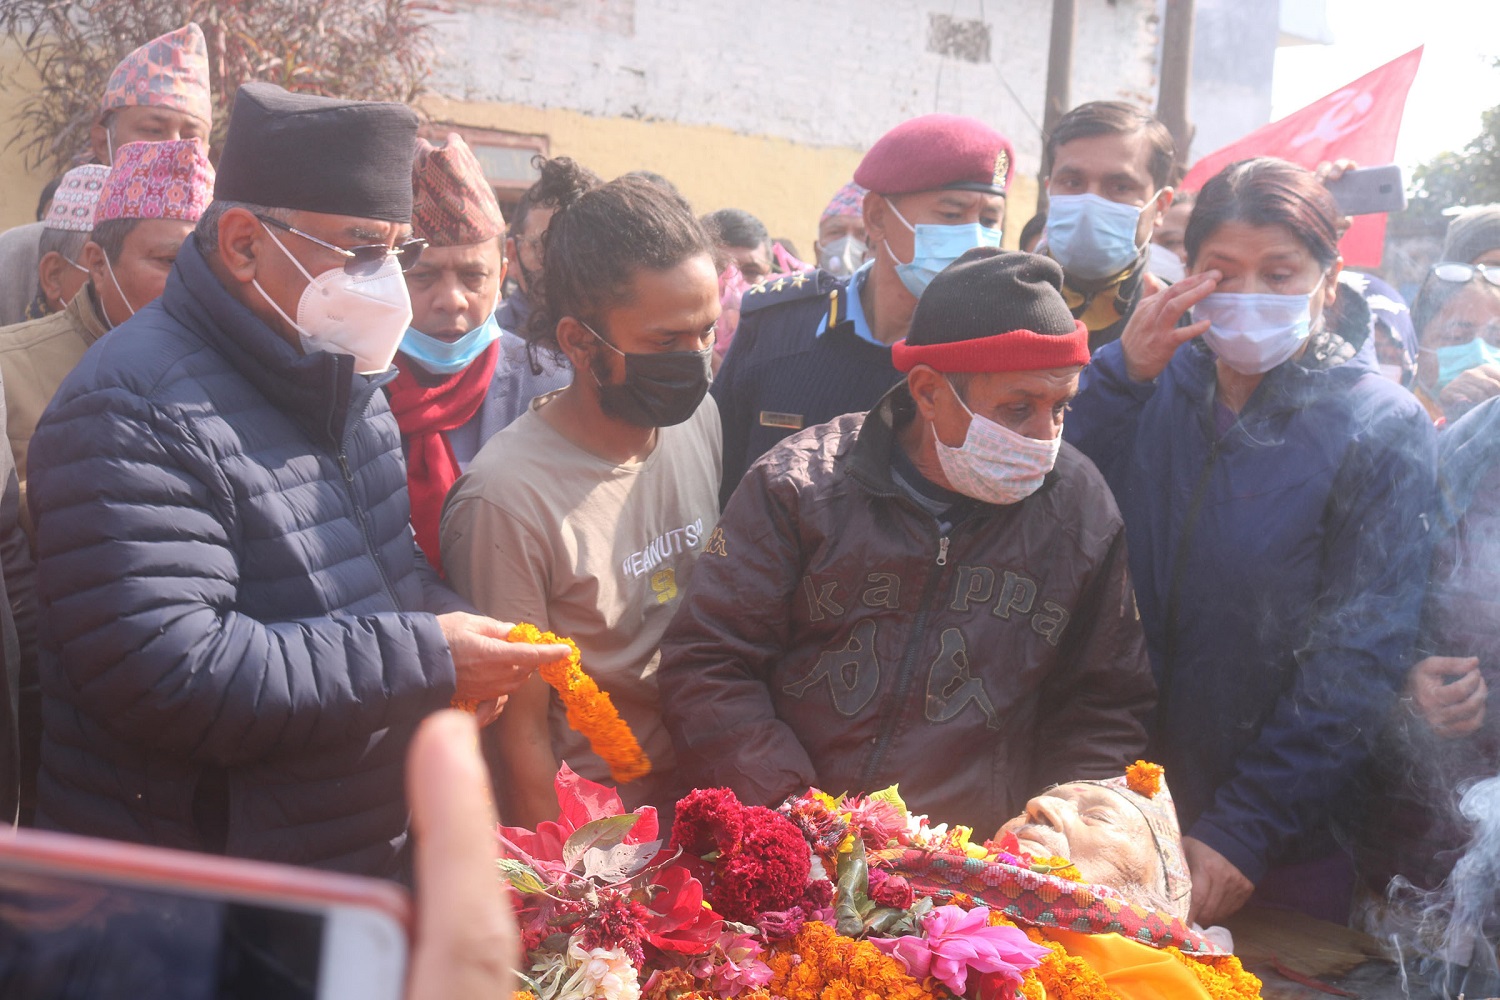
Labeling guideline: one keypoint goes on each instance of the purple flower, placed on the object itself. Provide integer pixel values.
(779, 925)
(955, 943)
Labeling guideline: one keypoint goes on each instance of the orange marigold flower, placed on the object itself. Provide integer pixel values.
(1060, 867)
(590, 710)
(820, 964)
(1144, 778)
(1221, 976)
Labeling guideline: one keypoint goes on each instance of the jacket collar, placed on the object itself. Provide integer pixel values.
(319, 390)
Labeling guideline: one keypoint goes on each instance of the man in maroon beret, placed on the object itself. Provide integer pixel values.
(935, 592)
(812, 346)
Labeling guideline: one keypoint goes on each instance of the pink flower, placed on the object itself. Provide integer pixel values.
(955, 943)
(742, 968)
(580, 802)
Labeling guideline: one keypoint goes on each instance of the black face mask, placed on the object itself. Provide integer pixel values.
(659, 390)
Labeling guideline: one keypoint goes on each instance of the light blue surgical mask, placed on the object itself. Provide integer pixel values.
(442, 358)
(1254, 332)
(1455, 359)
(935, 247)
(1092, 237)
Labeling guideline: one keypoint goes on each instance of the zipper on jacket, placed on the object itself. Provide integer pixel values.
(904, 676)
(1174, 593)
(364, 528)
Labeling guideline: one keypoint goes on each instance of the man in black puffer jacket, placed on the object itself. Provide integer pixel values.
(239, 634)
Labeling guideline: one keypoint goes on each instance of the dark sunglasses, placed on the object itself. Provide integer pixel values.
(1462, 273)
(366, 259)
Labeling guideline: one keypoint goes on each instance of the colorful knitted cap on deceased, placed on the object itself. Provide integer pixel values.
(157, 180)
(452, 204)
(166, 72)
(849, 200)
(77, 194)
(1161, 816)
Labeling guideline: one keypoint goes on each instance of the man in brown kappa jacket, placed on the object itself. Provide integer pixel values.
(934, 593)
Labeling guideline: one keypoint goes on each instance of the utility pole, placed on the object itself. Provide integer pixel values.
(1059, 77)
(1177, 74)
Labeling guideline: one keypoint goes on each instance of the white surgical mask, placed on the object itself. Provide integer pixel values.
(1092, 237)
(843, 256)
(364, 316)
(995, 464)
(935, 247)
(1165, 264)
(1254, 332)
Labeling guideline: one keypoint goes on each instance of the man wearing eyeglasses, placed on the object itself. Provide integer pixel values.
(241, 635)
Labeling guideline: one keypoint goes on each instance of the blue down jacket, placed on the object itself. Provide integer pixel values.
(1279, 570)
(236, 644)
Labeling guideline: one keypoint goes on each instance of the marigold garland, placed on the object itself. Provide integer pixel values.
(1063, 976)
(590, 710)
(1222, 976)
(1057, 867)
(819, 964)
(1144, 778)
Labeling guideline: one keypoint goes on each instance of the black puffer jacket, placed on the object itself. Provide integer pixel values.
(236, 644)
(834, 635)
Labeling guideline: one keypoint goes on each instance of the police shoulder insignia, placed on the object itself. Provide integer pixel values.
(789, 288)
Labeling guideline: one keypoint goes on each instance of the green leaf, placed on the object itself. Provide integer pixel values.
(522, 877)
(851, 891)
(601, 833)
(618, 863)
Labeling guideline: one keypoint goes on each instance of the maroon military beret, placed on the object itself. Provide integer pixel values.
(936, 152)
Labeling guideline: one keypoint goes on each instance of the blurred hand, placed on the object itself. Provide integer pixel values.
(488, 666)
(1448, 693)
(1152, 336)
(1220, 889)
(1333, 170)
(466, 944)
(1470, 389)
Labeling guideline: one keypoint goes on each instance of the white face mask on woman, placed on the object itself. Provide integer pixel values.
(364, 316)
(1254, 332)
(995, 464)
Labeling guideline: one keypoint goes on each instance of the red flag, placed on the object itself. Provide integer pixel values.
(1359, 122)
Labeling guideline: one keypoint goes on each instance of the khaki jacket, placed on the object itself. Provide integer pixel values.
(35, 357)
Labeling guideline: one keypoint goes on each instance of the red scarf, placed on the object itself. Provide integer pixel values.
(424, 413)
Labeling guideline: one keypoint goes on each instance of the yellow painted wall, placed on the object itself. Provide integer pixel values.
(19, 187)
(784, 184)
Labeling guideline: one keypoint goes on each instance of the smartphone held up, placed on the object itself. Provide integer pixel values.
(100, 919)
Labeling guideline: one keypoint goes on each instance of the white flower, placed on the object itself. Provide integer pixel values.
(603, 973)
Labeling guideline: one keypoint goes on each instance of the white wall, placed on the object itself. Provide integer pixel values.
(819, 72)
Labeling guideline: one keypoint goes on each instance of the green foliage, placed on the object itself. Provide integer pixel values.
(1470, 176)
(364, 49)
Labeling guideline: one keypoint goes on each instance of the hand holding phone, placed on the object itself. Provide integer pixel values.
(1368, 190)
(81, 917)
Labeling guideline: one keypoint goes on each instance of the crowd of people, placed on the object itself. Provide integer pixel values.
(294, 441)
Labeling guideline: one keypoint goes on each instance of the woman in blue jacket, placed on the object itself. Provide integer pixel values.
(1275, 493)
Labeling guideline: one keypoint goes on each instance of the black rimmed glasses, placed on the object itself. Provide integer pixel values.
(1458, 273)
(365, 259)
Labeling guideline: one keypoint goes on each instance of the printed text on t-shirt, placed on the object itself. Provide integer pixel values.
(663, 547)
